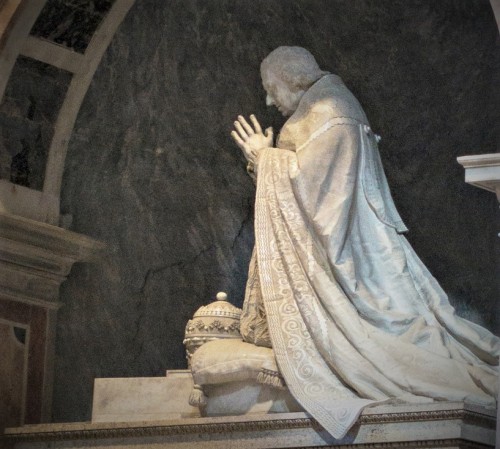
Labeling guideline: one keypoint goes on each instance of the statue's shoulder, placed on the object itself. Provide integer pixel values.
(330, 98)
(324, 108)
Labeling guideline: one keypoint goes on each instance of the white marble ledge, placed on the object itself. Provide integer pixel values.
(36, 257)
(482, 171)
(388, 426)
(46, 237)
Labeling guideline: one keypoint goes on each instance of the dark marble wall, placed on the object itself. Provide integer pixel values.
(29, 109)
(152, 172)
(71, 22)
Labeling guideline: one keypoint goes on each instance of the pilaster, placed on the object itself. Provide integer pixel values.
(35, 258)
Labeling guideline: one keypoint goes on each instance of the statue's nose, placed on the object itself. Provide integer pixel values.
(269, 100)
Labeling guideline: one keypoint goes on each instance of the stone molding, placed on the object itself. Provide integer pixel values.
(482, 171)
(449, 443)
(468, 416)
(35, 258)
(235, 424)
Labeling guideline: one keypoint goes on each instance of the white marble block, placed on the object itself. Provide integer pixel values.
(143, 398)
(159, 398)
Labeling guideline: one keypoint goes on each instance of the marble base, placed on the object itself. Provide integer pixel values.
(160, 398)
(446, 424)
(143, 398)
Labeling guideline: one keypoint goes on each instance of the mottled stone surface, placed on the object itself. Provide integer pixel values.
(152, 171)
(28, 112)
(12, 374)
(71, 23)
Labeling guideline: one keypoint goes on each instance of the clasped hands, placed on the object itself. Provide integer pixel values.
(251, 140)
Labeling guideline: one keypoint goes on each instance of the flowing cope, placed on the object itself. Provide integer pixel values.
(351, 312)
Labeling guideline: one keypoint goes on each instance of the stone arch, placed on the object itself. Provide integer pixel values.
(17, 18)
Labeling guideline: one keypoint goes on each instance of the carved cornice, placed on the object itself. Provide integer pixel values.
(35, 259)
(482, 171)
(45, 238)
(480, 160)
(86, 431)
(164, 430)
(468, 416)
(449, 443)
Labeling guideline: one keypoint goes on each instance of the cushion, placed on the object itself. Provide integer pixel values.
(231, 360)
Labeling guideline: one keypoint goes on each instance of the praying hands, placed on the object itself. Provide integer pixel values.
(251, 140)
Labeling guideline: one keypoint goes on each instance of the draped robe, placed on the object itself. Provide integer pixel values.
(351, 312)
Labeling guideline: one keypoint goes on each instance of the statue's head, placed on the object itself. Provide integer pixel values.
(287, 73)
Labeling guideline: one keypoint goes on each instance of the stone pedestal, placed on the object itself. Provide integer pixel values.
(143, 398)
(450, 425)
(160, 398)
(35, 258)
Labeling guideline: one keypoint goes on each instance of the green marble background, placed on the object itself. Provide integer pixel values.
(28, 111)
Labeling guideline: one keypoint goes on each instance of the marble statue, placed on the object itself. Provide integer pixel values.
(350, 311)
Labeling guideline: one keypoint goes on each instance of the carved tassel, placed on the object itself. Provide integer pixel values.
(271, 378)
(197, 397)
